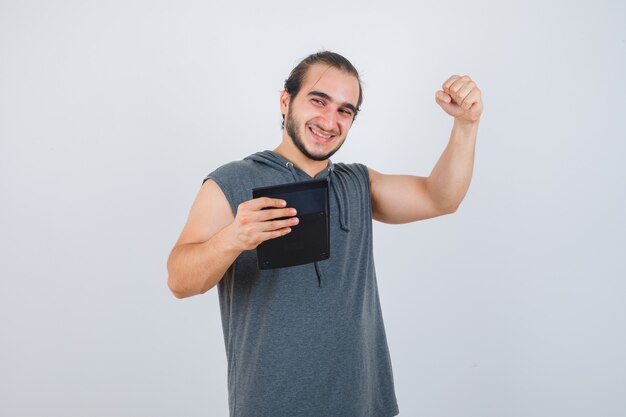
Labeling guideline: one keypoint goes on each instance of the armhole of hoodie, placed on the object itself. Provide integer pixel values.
(366, 174)
(225, 190)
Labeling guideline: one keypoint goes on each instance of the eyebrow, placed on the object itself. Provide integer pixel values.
(327, 97)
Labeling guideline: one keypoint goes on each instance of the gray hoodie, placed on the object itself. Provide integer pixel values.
(307, 340)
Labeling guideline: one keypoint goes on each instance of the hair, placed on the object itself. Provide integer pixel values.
(294, 82)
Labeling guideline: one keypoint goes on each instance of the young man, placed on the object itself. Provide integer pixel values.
(309, 340)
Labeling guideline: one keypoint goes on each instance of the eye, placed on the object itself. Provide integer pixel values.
(317, 101)
(346, 112)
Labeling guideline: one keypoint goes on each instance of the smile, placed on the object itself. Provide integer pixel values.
(321, 136)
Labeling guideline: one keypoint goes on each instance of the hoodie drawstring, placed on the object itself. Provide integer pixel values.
(318, 272)
(293, 171)
(344, 212)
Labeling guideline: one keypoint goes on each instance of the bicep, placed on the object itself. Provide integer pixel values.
(209, 214)
(401, 198)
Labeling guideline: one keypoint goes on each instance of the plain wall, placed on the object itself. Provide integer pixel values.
(112, 113)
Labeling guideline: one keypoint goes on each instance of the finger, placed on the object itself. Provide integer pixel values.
(274, 234)
(472, 97)
(457, 85)
(263, 202)
(446, 85)
(464, 90)
(278, 224)
(441, 96)
(264, 215)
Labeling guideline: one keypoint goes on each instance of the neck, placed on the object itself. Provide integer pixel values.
(290, 152)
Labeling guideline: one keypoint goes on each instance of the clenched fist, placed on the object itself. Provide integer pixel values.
(460, 98)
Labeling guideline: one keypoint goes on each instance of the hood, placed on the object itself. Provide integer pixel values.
(336, 183)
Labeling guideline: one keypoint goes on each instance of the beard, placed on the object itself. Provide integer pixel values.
(291, 124)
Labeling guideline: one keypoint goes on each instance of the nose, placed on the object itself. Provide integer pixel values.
(329, 120)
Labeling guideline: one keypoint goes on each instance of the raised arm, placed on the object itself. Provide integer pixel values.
(408, 198)
(213, 238)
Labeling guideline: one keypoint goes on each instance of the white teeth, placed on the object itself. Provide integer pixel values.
(320, 135)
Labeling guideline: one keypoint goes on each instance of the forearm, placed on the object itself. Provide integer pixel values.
(195, 268)
(450, 178)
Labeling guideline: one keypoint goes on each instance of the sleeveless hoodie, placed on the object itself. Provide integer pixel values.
(308, 340)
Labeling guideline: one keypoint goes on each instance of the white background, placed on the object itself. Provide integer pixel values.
(111, 114)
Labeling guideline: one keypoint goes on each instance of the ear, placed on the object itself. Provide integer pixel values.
(284, 101)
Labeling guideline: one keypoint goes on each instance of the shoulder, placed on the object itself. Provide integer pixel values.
(236, 175)
(232, 169)
(232, 180)
(355, 176)
(353, 169)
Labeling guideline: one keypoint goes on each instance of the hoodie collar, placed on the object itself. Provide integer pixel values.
(276, 160)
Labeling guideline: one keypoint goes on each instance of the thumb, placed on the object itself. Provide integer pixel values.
(442, 97)
(447, 104)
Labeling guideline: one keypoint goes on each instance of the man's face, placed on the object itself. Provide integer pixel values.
(318, 119)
